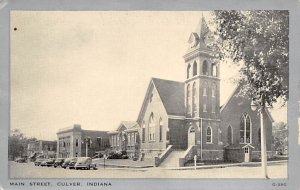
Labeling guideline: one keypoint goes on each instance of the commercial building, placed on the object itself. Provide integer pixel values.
(76, 142)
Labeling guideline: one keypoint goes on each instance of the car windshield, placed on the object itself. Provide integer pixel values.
(82, 159)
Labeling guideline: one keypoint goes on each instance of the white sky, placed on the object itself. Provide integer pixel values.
(93, 68)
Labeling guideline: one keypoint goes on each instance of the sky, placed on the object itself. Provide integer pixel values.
(93, 68)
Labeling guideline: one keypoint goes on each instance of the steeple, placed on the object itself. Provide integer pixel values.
(202, 28)
(198, 38)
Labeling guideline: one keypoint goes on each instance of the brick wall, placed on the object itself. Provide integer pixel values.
(231, 115)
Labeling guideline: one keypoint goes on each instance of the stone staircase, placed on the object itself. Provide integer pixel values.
(173, 159)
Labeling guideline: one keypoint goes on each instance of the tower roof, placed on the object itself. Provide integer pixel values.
(199, 37)
(202, 28)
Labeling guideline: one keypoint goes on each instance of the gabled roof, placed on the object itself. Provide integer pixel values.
(128, 125)
(235, 92)
(171, 94)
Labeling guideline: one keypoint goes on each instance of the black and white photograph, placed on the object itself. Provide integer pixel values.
(149, 94)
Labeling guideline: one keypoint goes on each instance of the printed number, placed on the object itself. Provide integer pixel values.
(279, 184)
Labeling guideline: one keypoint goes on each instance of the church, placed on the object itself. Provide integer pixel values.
(185, 119)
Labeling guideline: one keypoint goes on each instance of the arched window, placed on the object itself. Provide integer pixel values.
(194, 101)
(245, 129)
(205, 68)
(143, 131)
(188, 100)
(205, 88)
(160, 129)
(151, 128)
(213, 90)
(208, 135)
(188, 71)
(214, 70)
(195, 68)
(229, 135)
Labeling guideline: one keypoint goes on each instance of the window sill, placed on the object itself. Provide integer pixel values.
(209, 143)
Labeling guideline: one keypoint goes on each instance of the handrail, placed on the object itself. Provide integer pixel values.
(159, 159)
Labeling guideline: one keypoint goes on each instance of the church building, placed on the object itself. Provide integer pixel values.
(186, 118)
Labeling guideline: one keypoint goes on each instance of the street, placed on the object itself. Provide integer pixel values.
(28, 170)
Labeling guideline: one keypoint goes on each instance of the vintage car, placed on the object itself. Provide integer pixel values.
(85, 163)
(58, 162)
(48, 162)
(69, 163)
(72, 163)
(38, 161)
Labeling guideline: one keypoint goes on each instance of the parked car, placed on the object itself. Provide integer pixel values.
(58, 162)
(72, 163)
(66, 163)
(85, 163)
(118, 155)
(20, 160)
(38, 161)
(48, 162)
(69, 163)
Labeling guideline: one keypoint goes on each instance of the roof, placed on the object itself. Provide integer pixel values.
(129, 124)
(202, 28)
(171, 94)
(236, 91)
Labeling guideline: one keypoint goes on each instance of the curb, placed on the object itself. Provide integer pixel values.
(253, 164)
(124, 166)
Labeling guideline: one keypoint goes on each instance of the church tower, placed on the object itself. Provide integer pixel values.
(202, 90)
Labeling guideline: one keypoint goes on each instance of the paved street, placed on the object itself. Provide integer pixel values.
(28, 170)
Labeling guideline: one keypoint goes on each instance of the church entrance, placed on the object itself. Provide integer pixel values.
(191, 136)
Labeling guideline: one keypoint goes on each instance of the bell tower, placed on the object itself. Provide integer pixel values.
(202, 86)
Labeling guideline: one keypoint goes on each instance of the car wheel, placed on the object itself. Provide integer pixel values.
(89, 167)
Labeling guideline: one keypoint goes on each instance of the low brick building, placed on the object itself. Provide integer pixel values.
(74, 141)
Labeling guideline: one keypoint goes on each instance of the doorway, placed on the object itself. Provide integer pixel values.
(247, 154)
(191, 136)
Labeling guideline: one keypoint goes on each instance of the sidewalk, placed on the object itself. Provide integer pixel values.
(245, 164)
(124, 163)
(121, 163)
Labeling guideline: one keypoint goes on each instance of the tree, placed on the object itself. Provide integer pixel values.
(17, 144)
(280, 134)
(259, 41)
